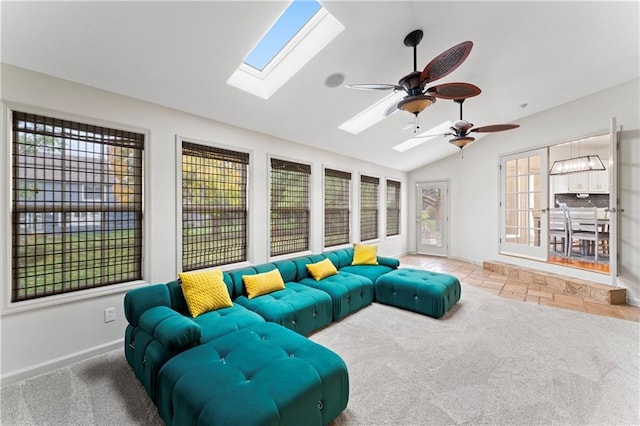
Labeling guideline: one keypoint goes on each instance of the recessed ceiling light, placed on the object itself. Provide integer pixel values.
(524, 105)
(334, 80)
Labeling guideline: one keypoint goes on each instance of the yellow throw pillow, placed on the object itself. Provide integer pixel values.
(204, 291)
(365, 254)
(322, 269)
(263, 283)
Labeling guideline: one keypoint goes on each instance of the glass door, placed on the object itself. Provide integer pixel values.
(433, 218)
(523, 204)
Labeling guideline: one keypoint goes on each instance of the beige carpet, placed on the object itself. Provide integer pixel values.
(490, 361)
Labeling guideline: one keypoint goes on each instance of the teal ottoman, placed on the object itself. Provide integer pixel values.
(264, 374)
(425, 292)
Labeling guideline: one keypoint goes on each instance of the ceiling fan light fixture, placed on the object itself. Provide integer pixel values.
(462, 141)
(416, 104)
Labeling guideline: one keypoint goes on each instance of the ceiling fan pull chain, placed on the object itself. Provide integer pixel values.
(416, 123)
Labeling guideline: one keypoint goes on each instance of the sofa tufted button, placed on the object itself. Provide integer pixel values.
(320, 405)
(291, 356)
(315, 314)
(394, 293)
(264, 337)
(293, 322)
(222, 360)
(415, 297)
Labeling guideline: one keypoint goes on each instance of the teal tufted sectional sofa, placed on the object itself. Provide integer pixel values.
(425, 292)
(250, 363)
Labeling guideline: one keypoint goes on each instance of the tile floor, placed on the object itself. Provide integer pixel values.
(501, 285)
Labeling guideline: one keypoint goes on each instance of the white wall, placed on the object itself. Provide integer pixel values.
(46, 333)
(474, 185)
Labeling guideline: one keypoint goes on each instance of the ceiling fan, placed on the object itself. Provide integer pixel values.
(418, 97)
(461, 129)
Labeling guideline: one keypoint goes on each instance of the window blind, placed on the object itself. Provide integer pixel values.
(76, 206)
(289, 203)
(336, 207)
(368, 207)
(393, 207)
(214, 206)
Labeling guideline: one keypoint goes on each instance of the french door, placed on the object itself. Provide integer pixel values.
(614, 210)
(524, 203)
(432, 218)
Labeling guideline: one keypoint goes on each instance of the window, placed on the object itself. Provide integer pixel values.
(368, 207)
(336, 207)
(214, 206)
(289, 207)
(393, 208)
(92, 192)
(77, 206)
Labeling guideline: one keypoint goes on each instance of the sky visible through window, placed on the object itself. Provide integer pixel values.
(283, 30)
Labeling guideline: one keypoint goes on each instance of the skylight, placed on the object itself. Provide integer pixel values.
(372, 115)
(282, 32)
(432, 133)
(300, 33)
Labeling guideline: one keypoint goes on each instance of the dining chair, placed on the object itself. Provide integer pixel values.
(583, 227)
(559, 229)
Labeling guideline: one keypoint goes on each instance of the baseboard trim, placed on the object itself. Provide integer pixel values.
(462, 259)
(398, 256)
(48, 366)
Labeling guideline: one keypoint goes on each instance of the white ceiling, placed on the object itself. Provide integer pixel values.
(180, 55)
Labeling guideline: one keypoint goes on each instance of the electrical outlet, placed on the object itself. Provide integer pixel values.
(109, 314)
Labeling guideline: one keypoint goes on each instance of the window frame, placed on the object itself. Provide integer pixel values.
(86, 290)
(308, 191)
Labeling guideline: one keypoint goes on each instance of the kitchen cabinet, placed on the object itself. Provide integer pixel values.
(599, 181)
(579, 182)
(559, 184)
(596, 182)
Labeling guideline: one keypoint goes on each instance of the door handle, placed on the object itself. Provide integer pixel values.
(614, 210)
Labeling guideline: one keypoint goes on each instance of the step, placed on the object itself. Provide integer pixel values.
(599, 293)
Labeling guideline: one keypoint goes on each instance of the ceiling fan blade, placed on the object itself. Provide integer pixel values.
(375, 86)
(495, 128)
(432, 135)
(454, 91)
(446, 62)
(393, 108)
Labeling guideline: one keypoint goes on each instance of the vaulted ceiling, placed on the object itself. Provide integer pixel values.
(181, 54)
